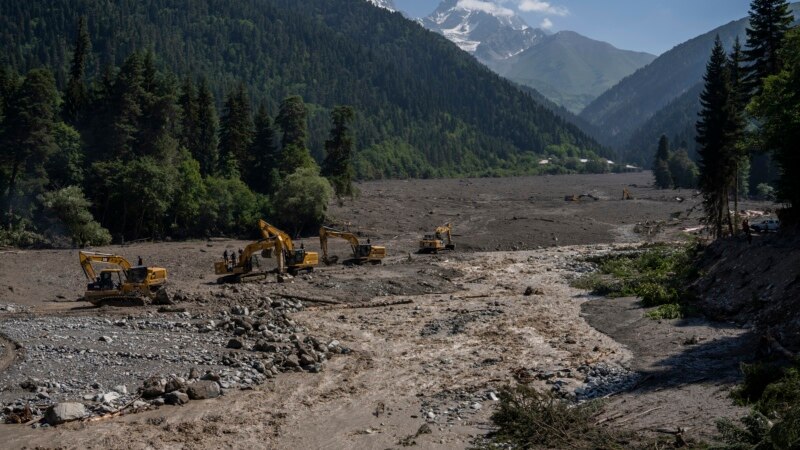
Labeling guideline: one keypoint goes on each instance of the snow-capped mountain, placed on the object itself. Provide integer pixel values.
(489, 31)
(385, 4)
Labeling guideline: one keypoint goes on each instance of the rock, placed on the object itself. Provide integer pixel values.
(431, 415)
(493, 397)
(476, 406)
(64, 412)
(292, 361)
(106, 339)
(120, 389)
(138, 404)
(235, 344)
(264, 346)
(107, 398)
(203, 389)
(153, 387)
(211, 376)
(194, 374)
(174, 384)
(528, 291)
(176, 398)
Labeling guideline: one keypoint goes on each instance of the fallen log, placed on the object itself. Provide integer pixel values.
(307, 299)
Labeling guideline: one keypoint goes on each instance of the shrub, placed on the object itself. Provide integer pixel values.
(302, 200)
(70, 207)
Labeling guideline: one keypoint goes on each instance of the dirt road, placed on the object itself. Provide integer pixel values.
(425, 367)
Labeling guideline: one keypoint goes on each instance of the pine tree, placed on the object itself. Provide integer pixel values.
(27, 141)
(661, 170)
(292, 119)
(739, 99)
(263, 174)
(337, 167)
(206, 152)
(769, 22)
(236, 133)
(778, 108)
(188, 103)
(717, 136)
(125, 109)
(76, 95)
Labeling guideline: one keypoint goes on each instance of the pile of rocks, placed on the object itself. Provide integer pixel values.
(603, 379)
(451, 407)
(276, 338)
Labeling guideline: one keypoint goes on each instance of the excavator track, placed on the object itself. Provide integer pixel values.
(120, 301)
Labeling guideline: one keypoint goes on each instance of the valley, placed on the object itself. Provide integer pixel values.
(424, 343)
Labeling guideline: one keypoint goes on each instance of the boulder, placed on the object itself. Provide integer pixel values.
(176, 398)
(153, 387)
(203, 389)
(63, 412)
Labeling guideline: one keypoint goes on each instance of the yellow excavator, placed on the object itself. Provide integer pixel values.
(243, 270)
(362, 253)
(295, 259)
(122, 284)
(434, 243)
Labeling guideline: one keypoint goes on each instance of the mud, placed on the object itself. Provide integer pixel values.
(431, 338)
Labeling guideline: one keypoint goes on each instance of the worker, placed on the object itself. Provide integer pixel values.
(233, 259)
(140, 262)
(225, 256)
(240, 254)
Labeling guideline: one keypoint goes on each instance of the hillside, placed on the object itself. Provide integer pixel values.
(572, 70)
(425, 108)
(629, 104)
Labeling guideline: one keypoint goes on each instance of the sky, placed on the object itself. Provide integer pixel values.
(652, 26)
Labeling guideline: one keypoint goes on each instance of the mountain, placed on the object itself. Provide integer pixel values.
(633, 101)
(488, 31)
(385, 4)
(425, 108)
(569, 69)
(572, 70)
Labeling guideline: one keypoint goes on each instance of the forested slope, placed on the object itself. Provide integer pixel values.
(424, 108)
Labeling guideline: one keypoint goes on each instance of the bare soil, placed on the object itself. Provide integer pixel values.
(433, 337)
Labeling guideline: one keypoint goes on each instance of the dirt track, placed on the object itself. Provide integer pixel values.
(440, 359)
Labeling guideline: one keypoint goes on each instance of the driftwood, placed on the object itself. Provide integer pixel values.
(113, 414)
(308, 299)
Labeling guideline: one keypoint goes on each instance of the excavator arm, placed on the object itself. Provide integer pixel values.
(268, 231)
(86, 259)
(445, 230)
(324, 232)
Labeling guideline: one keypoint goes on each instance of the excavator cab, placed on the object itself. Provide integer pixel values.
(109, 280)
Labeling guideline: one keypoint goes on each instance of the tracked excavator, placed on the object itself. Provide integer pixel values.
(295, 259)
(441, 239)
(246, 267)
(121, 284)
(362, 253)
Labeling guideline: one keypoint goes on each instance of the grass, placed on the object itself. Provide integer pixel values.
(658, 275)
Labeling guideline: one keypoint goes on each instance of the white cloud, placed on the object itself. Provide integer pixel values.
(486, 6)
(546, 24)
(539, 6)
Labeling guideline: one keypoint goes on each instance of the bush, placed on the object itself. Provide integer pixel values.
(70, 207)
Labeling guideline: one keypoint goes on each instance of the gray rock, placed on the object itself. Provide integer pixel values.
(153, 387)
(235, 344)
(176, 398)
(174, 384)
(106, 339)
(64, 412)
(203, 389)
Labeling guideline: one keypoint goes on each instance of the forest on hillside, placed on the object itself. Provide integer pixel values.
(424, 108)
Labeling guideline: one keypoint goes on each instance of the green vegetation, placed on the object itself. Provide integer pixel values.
(658, 275)
(527, 418)
(398, 77)
(773, 391)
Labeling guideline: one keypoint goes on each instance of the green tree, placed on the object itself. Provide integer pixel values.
(717, 134)
(683, 170)
(65, 165)
(739, 99)
(339, 149)
(661, 170)
(206, 151)
(28, 137)
(292, 119)
(189, 116)
(189, 198)
(236, 133)
(303, 200)
(778, 110)
(76, 94)
(262, 175)
(69, 207)
(769, 22)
